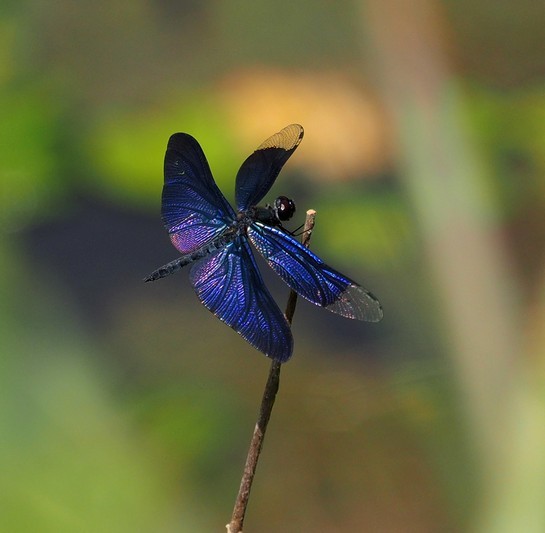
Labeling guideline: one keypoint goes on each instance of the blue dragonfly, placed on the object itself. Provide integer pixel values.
(213, 238)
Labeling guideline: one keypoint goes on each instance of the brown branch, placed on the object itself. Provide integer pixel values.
(267, 403)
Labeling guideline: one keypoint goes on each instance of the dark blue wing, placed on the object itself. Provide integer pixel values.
(194, 210)
(258, 172)
(229, 284)
(310, 277)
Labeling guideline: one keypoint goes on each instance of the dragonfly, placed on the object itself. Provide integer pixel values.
(214, 240)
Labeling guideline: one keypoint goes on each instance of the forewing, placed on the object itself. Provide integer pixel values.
(310, 277)
(194, 210)
(258, 172)
(229, 284)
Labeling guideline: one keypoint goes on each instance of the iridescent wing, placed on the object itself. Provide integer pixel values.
(229, 284)
(259, 170)
(194, 210)
(310, 277)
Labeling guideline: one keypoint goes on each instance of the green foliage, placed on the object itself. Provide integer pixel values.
(70, 461)
(510, 126)
(365, 227)
(127, 148)
(28, 155)
(183, 419)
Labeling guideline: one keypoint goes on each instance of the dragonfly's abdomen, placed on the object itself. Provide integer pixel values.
(219, 242)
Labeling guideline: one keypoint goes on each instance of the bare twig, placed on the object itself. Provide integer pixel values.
(267, 403)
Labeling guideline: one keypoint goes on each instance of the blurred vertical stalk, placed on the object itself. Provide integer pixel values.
(459, 226)
(516, 501)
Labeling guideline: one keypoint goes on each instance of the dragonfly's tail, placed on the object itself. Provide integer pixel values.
(168, 269)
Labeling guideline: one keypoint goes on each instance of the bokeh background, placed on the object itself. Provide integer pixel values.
(128, 407)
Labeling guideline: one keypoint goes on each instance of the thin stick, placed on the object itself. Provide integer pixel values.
(267, 403)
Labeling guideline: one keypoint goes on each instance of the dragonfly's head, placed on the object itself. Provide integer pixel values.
(284, 208)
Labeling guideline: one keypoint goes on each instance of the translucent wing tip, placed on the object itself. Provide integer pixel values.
(287, 138)
(357, 303)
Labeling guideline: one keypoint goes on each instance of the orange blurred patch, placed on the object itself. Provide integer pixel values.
(346, 131)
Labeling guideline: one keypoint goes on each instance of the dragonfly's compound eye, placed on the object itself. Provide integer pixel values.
(284, 207)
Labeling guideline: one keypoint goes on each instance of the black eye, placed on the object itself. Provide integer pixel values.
(284, 207)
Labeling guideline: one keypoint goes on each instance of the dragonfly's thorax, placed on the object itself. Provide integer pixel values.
(282, 209)
(243, 220)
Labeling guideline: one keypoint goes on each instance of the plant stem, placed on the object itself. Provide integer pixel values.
(267, 403)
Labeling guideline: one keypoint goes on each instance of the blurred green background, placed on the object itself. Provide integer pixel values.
(128, 407)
